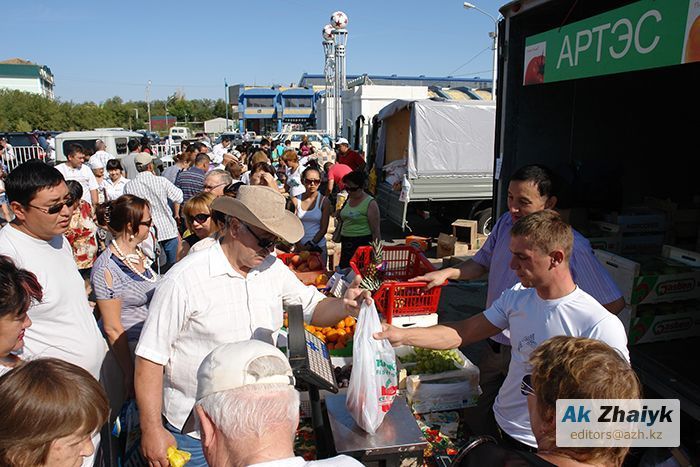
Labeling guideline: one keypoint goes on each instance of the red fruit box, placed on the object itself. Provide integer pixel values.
(309, 277)
(396, 296)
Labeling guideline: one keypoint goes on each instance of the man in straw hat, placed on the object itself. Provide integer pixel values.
(232, 292)
(248, 408)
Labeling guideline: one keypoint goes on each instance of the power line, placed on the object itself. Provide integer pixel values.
(472, 73)
(468, 61)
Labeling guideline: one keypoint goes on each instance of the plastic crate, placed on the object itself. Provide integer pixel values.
(400, 298)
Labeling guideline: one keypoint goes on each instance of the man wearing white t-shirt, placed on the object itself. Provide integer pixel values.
(217, 153)
(62, 323)
(544, 304)
(75, 169)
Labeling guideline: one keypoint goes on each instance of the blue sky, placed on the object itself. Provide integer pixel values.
(99, 49)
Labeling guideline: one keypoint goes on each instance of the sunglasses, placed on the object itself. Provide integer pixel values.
(201, 218)
(526, 388)
(56, 208)
(263, 243)
(210, 188)
(312, 181)
(147, 223)
(352, 189)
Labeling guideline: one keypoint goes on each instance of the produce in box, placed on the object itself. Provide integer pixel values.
(432, 361)
(336, 337)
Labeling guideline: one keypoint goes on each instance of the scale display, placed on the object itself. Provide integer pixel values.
(308, 355)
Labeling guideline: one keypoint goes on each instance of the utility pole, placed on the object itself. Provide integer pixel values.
(148, 105)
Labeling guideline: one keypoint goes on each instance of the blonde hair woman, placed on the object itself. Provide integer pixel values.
(199, 222)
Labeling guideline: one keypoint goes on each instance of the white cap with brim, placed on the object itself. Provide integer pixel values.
(264, 208)
(227, 368)
(143, 158)
(342, 141)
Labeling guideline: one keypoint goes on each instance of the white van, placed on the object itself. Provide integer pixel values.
(116, 141)
(315, 139)
(181, 131)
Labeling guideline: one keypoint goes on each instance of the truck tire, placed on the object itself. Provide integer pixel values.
(485, 221)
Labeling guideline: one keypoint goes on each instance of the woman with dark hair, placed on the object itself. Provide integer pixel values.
(50, 411)
(123, 280)
(81, 232)
(314, 210)
(19, 288)
(359, 216)
(263, 174)
(115, 181)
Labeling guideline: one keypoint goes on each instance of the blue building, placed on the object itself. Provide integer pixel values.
(266, 110)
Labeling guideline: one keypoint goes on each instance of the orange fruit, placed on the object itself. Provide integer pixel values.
(349, 321)
(332, 336)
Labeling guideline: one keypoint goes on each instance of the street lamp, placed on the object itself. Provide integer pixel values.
(493, 35)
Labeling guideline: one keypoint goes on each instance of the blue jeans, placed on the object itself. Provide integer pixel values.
(189, 444)
(170, 249)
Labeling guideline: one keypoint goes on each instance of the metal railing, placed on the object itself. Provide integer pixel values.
(21, 154)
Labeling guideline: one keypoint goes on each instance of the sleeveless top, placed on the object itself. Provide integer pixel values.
(355, 221)
(311, 220)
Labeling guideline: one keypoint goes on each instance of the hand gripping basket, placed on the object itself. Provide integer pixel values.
(396, 296)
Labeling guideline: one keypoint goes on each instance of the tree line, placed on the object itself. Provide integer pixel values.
(22, 111)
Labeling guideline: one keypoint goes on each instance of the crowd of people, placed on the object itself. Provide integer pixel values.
(163, 287)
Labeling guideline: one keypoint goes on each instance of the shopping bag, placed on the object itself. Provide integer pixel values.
(373, 381)
(128, 429)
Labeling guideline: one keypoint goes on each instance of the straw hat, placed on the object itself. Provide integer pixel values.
(264, 208)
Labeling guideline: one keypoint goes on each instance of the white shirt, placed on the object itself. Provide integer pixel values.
(158, 191)
(217, 153)
(115, 189)
(83, 175)
(102, 156)
(62, 324)
(339, 461)
(532, 321)
(201, 303)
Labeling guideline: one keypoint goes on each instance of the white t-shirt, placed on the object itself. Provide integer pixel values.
(339, 461)
(115, 190)
(532, 321)
(83, 175)
(102, 156)
(201, 303)
(62, 324)
(217, 154)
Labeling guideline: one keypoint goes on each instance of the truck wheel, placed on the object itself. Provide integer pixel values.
(485, 221)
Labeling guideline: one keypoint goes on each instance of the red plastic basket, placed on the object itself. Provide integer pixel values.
(400, 298)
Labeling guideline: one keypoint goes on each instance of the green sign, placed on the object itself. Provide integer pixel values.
(645, 34)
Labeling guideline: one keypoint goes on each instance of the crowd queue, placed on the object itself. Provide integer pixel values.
(163, 287)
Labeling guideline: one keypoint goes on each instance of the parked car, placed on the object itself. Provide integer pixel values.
(115, 140)
(236, 138)
(152, 135)
(315, 139)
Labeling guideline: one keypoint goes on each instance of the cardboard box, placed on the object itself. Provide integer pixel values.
(445, 245)
(639, 219)
(449, 390)
(661, 321)
(465, 231)
(677, 277)
(631, 242)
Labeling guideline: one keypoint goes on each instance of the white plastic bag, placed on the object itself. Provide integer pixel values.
(373, 381)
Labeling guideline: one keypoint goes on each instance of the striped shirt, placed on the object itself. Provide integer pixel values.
(586, 271)
(134, 292)
(190, 181)
(157, 190)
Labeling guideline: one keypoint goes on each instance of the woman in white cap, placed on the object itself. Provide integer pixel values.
(98, 170)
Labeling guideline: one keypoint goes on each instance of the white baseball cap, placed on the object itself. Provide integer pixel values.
(342, 141)
(228, 367)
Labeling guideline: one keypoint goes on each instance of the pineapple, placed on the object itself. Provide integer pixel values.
(371, 279)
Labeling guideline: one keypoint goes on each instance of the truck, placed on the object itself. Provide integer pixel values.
(440, 154)
(602, 94)
(181, 131)
(116, 140)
